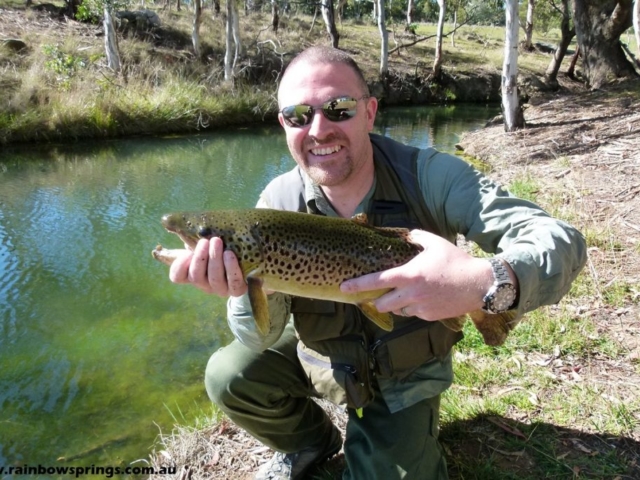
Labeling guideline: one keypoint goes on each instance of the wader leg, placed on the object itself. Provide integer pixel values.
(267, 394)
(386, 446)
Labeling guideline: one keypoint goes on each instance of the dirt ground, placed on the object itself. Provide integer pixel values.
(581, 148)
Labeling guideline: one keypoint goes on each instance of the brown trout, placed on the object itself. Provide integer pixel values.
(310, 256)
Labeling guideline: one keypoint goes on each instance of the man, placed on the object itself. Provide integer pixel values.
(391, 382)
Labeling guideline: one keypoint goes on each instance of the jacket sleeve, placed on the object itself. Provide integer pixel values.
(545, 253)
(243, 325)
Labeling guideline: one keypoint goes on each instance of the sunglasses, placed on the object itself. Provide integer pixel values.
(337, 110)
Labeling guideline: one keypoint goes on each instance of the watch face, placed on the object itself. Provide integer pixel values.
(503, 298)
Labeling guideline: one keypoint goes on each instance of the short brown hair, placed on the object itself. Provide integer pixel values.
(323, 54)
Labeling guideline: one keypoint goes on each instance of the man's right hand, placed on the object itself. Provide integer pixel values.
(210, 268)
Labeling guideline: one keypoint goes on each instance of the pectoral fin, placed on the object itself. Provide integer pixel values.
(383, 320)
(494, 327)
(455, 323)
(259, 305)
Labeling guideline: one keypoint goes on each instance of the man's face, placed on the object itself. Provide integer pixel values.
(330, 152)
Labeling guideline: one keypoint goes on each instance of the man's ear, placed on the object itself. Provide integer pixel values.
(372, 109)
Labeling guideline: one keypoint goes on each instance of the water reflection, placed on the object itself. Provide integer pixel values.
(97, 348)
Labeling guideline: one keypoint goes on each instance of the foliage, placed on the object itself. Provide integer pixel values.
(89, 10)
(64, 65)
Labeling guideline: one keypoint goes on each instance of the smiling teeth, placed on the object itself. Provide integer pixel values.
(325, 151)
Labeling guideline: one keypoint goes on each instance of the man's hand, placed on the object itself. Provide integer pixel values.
(442, 281)
(210, 268)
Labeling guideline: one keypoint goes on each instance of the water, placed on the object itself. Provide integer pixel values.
(99, 352)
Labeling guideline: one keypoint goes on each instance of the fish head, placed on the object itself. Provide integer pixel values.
(191, 226)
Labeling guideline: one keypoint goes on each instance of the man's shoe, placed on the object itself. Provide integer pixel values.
(294, 466)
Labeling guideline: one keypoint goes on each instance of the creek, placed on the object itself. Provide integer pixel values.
(99, 352)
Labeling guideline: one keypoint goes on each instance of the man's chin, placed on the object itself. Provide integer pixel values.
(327, 177)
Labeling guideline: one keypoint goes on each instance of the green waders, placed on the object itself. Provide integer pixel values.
(268, 394)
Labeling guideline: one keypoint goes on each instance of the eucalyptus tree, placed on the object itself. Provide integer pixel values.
(599, 25)
(105, 8)
(437, 63)
(410, 11)
(195, 32)
(511, 109)
(636, 24)
(233, 46)
(328, 15)
(567, 32)
(384, 39)
(528, 25)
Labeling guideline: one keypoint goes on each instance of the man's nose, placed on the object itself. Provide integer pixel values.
(319, 124)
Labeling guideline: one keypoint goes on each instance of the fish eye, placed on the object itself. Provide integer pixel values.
(205, 232)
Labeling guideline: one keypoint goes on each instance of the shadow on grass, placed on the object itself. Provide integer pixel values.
(497, 448)
(494, 447)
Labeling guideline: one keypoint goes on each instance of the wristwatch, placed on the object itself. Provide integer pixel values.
(502, 294)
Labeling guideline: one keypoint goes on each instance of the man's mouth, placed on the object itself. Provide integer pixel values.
(326, 150)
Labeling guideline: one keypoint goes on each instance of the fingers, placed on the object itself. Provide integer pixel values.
(210, 268)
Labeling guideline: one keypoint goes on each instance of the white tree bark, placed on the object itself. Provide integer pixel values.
(230, 47)
(235, 27)
(374, 13)
(437, 63)
(197, 20)
(111, 41)
(510, 107)
(528, 27)
(410, 7)
(384, 39)
(636, 24)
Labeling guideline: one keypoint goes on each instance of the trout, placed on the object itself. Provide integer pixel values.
(310, 256)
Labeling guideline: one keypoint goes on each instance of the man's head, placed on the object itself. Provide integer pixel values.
(327, 113)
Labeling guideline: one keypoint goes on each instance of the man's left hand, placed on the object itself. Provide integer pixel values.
(442, 281)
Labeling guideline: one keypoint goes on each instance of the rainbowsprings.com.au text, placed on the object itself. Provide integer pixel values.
(77, 472)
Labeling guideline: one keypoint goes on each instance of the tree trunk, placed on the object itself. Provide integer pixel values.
(528, 26)
(513, 117)
(229, 43)
(571, 71)
(111, 41)
(437, 63)
(235, 30)
(216, 8)
(72, 7)
(178, 5)
(374, 13)
(384, 40)
(275, 18)
(341, 4)
(410, 8)
(567, 33)
(599, 25)
(330, 22)
(197, 20)
(636, 26)
(455, 27)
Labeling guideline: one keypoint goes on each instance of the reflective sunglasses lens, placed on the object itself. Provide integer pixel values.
(340, 109)
(297, 115)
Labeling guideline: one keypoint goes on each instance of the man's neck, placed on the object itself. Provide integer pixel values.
(346, 197)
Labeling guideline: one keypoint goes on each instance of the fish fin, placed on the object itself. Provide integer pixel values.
(259, 305)
(455, 323)
(383, 320)
(360, 218)
(494, 327)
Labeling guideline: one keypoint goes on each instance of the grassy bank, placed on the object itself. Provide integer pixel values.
(58, 88)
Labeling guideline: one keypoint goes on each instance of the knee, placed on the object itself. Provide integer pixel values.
(218, 377)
